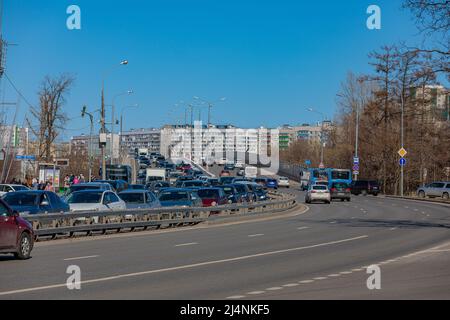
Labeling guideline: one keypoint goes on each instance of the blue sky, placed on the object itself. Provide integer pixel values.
(270, 59)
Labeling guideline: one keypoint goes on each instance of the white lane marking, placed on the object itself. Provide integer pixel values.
(188, 266)
(236, 297)
(80, 258)
(255, 292)
(274, 288)
(320, 278)
(302, 228)
(186, 244)
(290, 285)
(334, 275)
(306, 281)
(392, 229)
(345, 272)
(439, 250)
(255, 235)
(416, 209)
(357, 269)
(423, 212)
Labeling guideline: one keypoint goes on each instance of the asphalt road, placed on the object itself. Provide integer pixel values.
(320, 254)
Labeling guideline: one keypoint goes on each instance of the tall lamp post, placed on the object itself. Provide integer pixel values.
(113, 121)
(102, 121)
(321, 133)
(121, 124)
(210, 106)
(91, 118)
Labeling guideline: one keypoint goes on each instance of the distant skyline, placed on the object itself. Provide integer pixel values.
(270, 59)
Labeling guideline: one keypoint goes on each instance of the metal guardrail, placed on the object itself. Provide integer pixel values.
(69, 224)
(433, 200)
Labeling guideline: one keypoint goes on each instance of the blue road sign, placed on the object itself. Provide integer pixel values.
(402, 162)
(20, 157)
(355, 160)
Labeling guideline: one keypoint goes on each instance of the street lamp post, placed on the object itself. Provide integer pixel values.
(91, 118)
(113, 121)
(321, 132)
(121, 122)
(102, 121)
(210, 106)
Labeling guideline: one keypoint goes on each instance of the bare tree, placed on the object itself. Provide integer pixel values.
(431, 15)
(50, 116)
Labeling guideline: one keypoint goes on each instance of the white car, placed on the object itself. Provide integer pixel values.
(95, 200)
(283, 182)
(239, 165)
(317, 192)
(5, 188)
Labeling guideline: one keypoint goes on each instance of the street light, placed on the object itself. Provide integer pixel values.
(321, 132)
(113, 121)
(121, 124)
(102, 121)
(210, 105)
(91, 118)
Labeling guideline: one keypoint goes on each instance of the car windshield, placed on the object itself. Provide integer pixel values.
(319, 187)
(193, 184)
(132, 197)
(137, 186)
(208, 193)
(85, 197)
(228, 190)
(83, 187)
(21, 199)
(174, 196)
(337, 174)
(340, 185)
(226, 179)
(20, 188)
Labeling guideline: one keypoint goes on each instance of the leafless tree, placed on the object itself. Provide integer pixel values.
(49, 119)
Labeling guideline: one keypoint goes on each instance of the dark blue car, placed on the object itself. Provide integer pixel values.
(36, 202)
(177, 197)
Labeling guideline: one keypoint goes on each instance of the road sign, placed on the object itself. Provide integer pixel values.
(355, 167)
(321, 165)
(62, 162)
(24, 157)
(402, 162)
(402, 152)
(355, 160)
(356, 172)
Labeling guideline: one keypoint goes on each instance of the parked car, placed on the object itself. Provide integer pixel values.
(283, 182)
(213, 182)
(244, 192)
(226, 180)
(257, 190)
(239, 164)
(86, 186)
(365, 187)
(435, 189)
(241, 173)
(35, 202)
(261, 181)
(224, 173)
(317, 192)
(16, 233)
(193, 183)
(212, 197)
(95, 200)
(139, 199)
(271, 183)
(136, 187)
(156, 186)
(232, 194)
(229, 167)
(340, 190)
(175, 197)
(117, 185)
(5, 188)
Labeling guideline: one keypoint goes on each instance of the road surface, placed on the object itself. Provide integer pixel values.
(320, 254)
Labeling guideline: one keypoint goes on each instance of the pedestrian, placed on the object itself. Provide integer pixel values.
(34, 184)
(49, 186)
(76, 180)
(82, 179)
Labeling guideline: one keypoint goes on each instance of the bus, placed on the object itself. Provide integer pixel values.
(331, 175)
(119, 172)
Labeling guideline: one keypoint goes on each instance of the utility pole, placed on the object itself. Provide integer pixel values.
(103, 131)
(209, 114)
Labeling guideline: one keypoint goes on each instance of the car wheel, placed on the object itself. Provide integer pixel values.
(24, 247)
(445, 196)
(342, 200)
(421, 194)
(348, 199)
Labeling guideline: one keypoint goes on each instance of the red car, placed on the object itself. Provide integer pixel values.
(212, 197)
(16, 234)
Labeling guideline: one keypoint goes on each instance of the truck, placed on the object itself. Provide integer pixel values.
(155, 174)
(251, 172)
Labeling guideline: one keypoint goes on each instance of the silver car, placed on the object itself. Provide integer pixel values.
(317, 192)
(439, 189)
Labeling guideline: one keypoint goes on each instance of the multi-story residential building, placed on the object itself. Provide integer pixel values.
(312, 133)
(84, 144)
(216, 142)
(435, 100)
(141, 138)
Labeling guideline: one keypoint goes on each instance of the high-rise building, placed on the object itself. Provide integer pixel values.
(141, 138)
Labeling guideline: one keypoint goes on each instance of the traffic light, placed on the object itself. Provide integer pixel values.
(83, 111)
